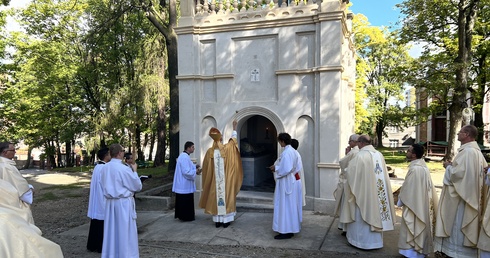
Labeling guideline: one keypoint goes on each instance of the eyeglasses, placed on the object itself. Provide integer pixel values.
(11, 150)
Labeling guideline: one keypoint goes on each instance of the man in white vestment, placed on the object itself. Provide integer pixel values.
(459, 213)
(184, 184)
(339, 194)
(119, 183)
(418, 198)
(301, 173)
(369, 209)
(18, 237)
(484, 239)
(287, 212)
(96, 204)
(10, 173)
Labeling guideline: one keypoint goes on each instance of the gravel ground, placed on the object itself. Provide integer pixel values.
(58, 208)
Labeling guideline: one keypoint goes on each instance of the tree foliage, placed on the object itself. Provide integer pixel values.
(447, 69)
(87, 68)
(381, 65)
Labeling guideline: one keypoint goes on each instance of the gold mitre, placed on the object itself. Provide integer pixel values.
(215, 134)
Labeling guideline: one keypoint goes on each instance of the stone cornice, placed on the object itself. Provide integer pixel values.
(205, 77)
(278, 72)
(266, 19)
(328, 165)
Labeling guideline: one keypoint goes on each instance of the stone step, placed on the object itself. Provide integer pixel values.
(254, 207)
(255, 201)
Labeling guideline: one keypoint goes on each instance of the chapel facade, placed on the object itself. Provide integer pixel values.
(273, 67)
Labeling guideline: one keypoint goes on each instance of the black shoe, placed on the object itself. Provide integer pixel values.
(284, 236)
(218, 224)
(225, 225)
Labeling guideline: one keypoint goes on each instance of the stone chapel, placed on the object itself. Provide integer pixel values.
(286, 66)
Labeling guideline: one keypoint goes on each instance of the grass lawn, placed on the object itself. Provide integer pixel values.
(397, 160)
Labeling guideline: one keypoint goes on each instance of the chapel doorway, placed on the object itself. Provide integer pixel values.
(258, 150)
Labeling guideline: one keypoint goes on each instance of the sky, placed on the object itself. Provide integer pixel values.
(11, 24)
(382, 13)
(378, 12)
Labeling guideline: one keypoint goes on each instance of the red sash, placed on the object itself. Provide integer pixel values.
(297, 176)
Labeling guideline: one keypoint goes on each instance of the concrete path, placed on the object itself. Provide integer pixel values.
(319, 232)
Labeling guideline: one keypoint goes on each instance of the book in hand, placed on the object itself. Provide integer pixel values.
(144, 178)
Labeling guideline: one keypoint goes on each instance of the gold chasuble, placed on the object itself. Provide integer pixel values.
(222, 176)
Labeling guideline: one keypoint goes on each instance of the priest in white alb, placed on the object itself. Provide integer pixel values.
(287, 194)
(418, 198)
(350, 151)
(119, 183)
(369, 209)
(460, 205)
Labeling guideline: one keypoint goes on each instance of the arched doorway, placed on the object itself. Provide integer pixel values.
(258, 150)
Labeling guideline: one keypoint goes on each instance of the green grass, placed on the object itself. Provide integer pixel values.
(49, 196)
(74, 169)
(155, 172)
(396, 158)
(67, 187)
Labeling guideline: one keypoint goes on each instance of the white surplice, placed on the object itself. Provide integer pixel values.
(287, 212)
(96, 200)
(119, 183)
(184, 176)
(369, 209)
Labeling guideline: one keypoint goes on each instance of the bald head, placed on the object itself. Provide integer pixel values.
(363, 141)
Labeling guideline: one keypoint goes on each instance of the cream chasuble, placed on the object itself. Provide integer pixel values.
(19, 237)
(370, 190)
(458, 216)
(419, 199)
(459, 205)
(339, 192)
(484, 239)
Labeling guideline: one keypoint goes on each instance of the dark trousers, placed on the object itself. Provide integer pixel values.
(184, 207)
(95, 235)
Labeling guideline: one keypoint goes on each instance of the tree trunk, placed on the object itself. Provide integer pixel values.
(174, 129)
(137, 139)
(161, 138)
(480, 99)
(466, 21)
(379, 134)
(29, 158)
(68, 160)
(152, 145)
(174, 102)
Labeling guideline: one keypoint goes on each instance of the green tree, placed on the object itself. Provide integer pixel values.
(447, 27)
(381, 66)
(164, 15)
